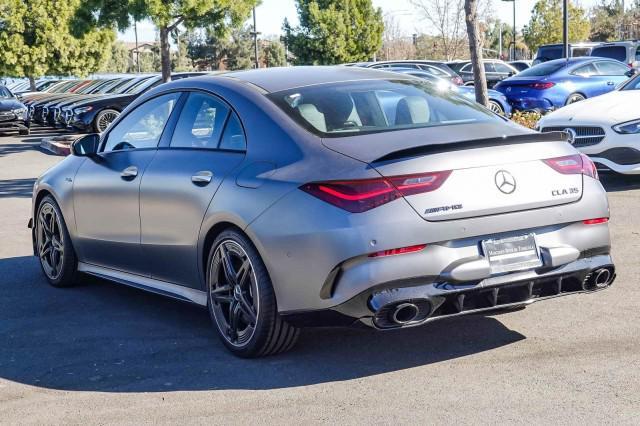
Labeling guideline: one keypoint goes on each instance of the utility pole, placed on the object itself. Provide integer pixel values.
(135, 31)
(565, 29)
(255, 38)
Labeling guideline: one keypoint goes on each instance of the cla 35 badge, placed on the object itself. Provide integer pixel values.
(505, 182)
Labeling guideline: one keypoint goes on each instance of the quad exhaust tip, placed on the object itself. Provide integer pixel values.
(599, 279)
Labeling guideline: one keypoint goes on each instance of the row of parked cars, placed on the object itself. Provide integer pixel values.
(85, 105)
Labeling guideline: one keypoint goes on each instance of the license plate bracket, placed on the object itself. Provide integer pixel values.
(517, 253)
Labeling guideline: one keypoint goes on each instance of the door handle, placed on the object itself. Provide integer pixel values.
(202, 177)
(610, 83)
(129, 173)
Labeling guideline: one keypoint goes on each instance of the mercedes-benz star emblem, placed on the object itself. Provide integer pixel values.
(505, 182)
(571, 138)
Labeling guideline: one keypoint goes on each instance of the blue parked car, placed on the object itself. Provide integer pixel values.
(554, 84)
(498, 103)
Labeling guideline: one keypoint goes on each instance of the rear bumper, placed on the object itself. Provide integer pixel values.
(541, 105)
(378, 307)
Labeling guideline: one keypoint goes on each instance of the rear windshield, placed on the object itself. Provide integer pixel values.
(548, 54)
(545, 68)
(577, 52)
(632, 84)
(618, 53)
(348, 108)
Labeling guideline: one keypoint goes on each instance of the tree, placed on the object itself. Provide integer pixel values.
(335, 31)
(238, 49)
(396, 43)
(35, 40)
(545, 25)
(475, 49)
(446, 19)
(167, 15)
(273, 54)
(119, 60)
(493, 30)
(605, 20)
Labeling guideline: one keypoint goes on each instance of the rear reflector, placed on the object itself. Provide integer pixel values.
(573, 165)
(596, 221)
(357, 196)
(402, 250)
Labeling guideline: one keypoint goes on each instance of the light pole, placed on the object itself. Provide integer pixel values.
(512, 53)
(255, 33)
(565, 29)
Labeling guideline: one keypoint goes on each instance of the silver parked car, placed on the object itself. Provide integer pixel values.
(307, 196)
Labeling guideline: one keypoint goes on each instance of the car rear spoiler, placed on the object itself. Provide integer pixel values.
(473, 143)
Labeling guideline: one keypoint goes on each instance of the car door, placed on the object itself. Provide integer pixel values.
(106, 190)
(610, 74)
(207, 144)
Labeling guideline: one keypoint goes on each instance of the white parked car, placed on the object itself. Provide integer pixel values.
(606, 128)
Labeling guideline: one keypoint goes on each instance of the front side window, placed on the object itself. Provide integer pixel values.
(489, 67)
(502, 68)
(359, 107)
(142, 127)
(611, 68)
(638, 54)
(200, 124)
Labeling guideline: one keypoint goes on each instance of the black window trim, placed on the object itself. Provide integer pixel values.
(105, 137)
(172, 123)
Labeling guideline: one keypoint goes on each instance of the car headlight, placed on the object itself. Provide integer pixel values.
(19, 111)
(628, 128)
(82, 110)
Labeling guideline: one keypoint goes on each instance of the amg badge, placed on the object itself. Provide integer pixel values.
(443, 209)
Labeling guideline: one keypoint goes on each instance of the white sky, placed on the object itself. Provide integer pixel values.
(271, 13)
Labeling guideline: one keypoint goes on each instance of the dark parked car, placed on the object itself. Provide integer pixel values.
(495, 71)
(95, 114)
(554, 84)
(13, 113)
(435, 68)
(549, 52)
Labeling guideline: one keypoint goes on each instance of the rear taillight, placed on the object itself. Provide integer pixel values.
(573, 164)
(542, 86)
(596, 221)
(402, 250)
(357, 196)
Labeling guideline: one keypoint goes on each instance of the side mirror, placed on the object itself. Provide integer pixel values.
(631, 72)
(511, 74)
(86, 146)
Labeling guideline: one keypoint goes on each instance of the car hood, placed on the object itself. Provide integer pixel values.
(613, 107)
(10, 104)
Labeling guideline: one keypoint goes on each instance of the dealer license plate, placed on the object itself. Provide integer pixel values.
(512, 254)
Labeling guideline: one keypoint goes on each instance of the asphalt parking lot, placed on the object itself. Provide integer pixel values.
(102, 353)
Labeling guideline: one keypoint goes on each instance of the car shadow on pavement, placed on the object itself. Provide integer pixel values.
(101, 336)
(22, 188)
(614, 182)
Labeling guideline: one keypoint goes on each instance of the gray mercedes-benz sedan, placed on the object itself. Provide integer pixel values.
(293, 197)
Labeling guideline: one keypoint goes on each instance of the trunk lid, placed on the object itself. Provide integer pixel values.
(495, 175)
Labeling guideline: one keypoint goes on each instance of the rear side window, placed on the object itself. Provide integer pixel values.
(611, 68)
(586, 70)
(434, 71)
(619, 53)
(359, 107)
(549, 53)
(201, 122)
(502, 68)
(233, 138)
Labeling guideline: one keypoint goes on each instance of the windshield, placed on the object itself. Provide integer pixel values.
(545, 68)
(632, 84)
(358, 107)
(618, 53)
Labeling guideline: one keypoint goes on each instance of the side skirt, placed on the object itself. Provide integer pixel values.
(145, 283)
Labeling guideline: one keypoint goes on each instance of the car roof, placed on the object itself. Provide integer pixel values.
(284, 78)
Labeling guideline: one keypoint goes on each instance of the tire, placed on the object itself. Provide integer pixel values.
(103, 119)
(24, 132)
(53, 245)
(575, 97)
(496, 107)
(244, 309)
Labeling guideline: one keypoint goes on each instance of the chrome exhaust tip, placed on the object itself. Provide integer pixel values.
(405, 313)
(599, 279)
